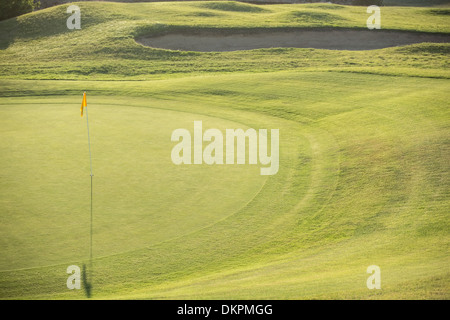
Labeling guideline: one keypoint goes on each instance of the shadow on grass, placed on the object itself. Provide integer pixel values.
(86, 284)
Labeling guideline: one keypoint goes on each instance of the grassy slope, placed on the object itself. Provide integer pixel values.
(363, 181)
(416, 3)
(39, 46)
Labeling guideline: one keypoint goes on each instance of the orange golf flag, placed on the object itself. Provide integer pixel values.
(83, 103)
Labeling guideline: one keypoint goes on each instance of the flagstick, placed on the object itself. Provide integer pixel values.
(90, 161)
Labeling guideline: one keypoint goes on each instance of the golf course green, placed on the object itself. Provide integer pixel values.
(364, 149)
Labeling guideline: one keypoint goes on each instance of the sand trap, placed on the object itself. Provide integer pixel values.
(323, 39)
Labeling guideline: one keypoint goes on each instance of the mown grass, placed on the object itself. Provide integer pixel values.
(363, 174)
(363, 181)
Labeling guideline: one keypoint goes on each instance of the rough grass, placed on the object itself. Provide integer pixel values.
(39, 46)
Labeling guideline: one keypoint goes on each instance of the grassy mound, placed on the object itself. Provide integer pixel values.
(231, 6)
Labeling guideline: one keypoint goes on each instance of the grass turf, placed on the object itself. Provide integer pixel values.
(39, 45)
(363, 174)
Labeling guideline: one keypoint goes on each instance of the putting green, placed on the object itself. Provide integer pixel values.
(140, 197)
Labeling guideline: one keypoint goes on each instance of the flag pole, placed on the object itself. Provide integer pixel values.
(88, 285)
(90, 163)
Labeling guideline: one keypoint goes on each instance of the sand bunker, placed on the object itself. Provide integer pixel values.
(323, 39)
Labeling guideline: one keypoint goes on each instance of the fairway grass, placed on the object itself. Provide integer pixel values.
(363, 177)
(362, 181)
